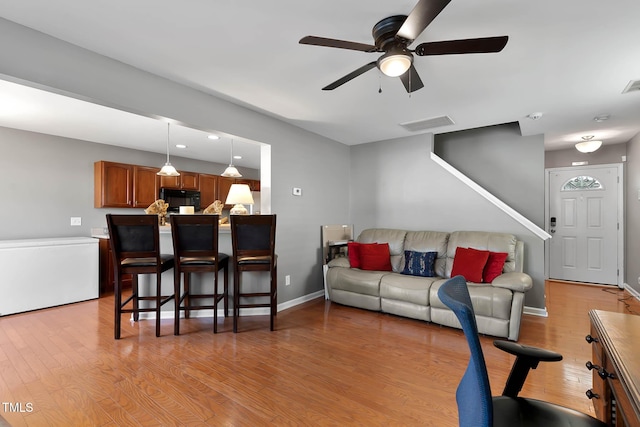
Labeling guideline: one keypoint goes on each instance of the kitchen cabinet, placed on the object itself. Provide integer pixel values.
(105, 268)
(254, 184)
(208, 189)
(186, 181)
(112, 185)
(224, 185)
(146, 186)
(120, 185)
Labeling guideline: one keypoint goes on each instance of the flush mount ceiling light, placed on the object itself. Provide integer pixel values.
(395, 63)
(588, 145)
(231, 171)
(168, 169)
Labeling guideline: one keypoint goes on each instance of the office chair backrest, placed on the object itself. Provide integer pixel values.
(195, 235)
(475, 406)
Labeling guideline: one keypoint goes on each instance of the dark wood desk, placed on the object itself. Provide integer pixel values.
(615, 338)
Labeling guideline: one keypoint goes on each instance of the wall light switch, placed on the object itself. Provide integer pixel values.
(297, 191)
(76, 220)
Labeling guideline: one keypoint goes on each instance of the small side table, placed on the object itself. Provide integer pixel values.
(335, 248)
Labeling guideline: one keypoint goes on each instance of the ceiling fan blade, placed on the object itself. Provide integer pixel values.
(453, 47)
(340, 44)
(350, 76)
(422, 14)
(411, 80)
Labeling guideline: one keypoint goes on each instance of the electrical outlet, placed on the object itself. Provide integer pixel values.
(287, 280)
(76, 220)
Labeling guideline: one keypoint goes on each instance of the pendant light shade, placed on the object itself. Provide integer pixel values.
(231, 171)
(168, 169)
(588, 145)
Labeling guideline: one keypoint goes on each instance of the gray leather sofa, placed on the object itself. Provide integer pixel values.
(498, 305)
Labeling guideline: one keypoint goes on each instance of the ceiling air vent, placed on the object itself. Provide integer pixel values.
(632, 86)
(434, 122)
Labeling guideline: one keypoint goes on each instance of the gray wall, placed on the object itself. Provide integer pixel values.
(502, 161)
(299, 158)
(52, 180)
(632, 213)
(607, 154)
(395, 184)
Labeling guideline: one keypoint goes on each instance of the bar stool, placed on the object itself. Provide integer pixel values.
(253, 239)
(195, 248)
(135, 245)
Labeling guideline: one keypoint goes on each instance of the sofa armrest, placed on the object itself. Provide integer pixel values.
(519, 282)
(339, 262)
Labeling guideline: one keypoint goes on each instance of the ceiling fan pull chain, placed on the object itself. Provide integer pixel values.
(379, 83)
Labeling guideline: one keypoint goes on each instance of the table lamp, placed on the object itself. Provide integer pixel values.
(239, 194)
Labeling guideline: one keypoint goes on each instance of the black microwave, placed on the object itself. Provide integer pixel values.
(176, 198)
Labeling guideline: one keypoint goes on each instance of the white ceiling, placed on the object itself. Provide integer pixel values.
(569, 60)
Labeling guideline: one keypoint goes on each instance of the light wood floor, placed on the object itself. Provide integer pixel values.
(325, 365)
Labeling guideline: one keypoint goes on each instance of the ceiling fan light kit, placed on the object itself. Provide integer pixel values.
(395, 64)
(392, 37)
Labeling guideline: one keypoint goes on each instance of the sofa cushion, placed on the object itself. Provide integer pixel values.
(482, 240)
(375, 257)
(487, 300)
(411, 289)
(395, 239)
(355, 280)
(429, 241)
(469, 262)
(419, 263)
(494, 266)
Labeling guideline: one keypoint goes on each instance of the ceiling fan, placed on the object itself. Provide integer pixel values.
(392, 37)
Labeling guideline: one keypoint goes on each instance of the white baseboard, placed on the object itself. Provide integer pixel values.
(534, 311)
(258, 311)
(632, 291)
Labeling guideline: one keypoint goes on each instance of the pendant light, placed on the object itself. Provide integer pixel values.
(588, 144)
(168, 169)
(231, 171)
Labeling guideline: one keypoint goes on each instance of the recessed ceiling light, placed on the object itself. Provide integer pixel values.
(181, 146)
(213, 137)
(237, 157)
(535, 116)
(602, 118)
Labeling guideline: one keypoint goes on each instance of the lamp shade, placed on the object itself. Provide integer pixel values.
(239, 194)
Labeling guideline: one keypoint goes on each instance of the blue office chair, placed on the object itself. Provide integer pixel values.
(476, 406)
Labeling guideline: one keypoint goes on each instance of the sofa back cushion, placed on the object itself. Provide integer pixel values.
(428, 241)
(482, 240)
(395, 239)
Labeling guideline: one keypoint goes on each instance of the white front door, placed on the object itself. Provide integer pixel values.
(584, 222)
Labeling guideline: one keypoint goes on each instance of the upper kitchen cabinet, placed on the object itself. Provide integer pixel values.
(224, 185)
(186, 181)
(119, 185)
(254, 184)
(146, 186)
(113, 185)
(208, 189)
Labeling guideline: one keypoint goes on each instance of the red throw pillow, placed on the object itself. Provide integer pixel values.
(353, 251)
(469, 262)
(375, 257)
(494, 266)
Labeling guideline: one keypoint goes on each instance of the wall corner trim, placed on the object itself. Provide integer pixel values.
(542, 234)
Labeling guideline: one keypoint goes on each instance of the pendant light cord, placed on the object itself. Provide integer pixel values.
(168, 125)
